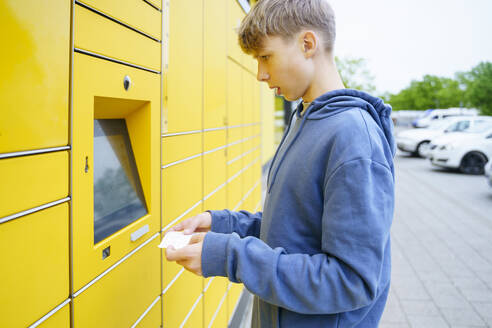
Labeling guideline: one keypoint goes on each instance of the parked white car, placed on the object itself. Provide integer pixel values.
(416, 141)
(467, 151)
(488, 171)
(433, 115)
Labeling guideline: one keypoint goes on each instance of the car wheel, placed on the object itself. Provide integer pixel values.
(473, 163)
(421, 147)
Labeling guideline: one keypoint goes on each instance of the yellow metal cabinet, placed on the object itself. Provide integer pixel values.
(120, 297)
(99, 94)
(235, 14)
(60, 319)
(178, 147)
(233, 297)
(247, 181)
(34, 278)
(35, 74)
(257, 101)
(183, 303)
(234, 192)
(217, 201)
(215, 302)
(215, 161)
(234, 94)
(31, 181)
(100, 35)
(234, 151)
(156, 3)
(248, 97)
(135, 13)
(181, 188)
(215, 64)
(184, 75)
(257, 130)
(153, 318)
(234, 134)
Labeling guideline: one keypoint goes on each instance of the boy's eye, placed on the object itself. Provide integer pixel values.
(264, 57)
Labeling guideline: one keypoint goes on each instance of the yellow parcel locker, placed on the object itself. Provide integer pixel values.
(181, 189)
(215, 64)
(96, 33)
(179, 147)
(156, 3)
(135, 13)
(214, 162)
(35, 74)
(31, 181)
(215, 302)
(184, 75)
(248, 97)
(116, 152)
(235, 15)
(183, 303)
(153, 318)
(234, 192)
(120, 297)
(34, 278)
(60, 319)
(234, 94)
(215, 298)
(235, 291)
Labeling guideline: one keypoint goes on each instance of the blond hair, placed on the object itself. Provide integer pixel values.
(285, 18)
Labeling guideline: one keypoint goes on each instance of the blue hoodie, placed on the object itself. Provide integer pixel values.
(319, 254)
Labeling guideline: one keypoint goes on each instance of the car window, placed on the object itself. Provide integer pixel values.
(463, 125)
(453, 127)
(479, 127)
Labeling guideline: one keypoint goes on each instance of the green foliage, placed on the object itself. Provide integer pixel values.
(467, 89)
(354, 74)
(431, 92)
(479, 87)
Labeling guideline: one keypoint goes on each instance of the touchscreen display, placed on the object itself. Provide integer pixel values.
(118, 195)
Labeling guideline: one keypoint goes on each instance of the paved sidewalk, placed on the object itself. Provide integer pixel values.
(442, 250)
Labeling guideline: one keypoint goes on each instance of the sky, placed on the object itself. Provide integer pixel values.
(402, 40)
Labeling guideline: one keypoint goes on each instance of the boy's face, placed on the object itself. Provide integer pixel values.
(283, 65)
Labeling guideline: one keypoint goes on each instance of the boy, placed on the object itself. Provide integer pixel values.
(319, 254)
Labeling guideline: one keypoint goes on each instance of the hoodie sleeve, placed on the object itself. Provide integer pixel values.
(243, 222)
(356, 219)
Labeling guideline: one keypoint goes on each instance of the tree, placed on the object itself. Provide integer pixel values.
(354, 74)
(432, 92)
(479, 87)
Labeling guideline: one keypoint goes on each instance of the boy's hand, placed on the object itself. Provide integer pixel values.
(199, 223)
(190, 256)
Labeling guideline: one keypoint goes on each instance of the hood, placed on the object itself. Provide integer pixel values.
(338, 101)
(334, 102)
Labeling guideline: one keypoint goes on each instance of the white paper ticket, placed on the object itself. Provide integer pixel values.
(175, 238)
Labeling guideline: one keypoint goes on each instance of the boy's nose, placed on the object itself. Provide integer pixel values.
(262, 76)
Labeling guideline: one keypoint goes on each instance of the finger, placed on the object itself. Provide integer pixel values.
(191, 227)
(177, 227)
(196, 238)
(172, 254)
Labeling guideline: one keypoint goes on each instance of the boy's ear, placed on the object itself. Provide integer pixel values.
(309, 43)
